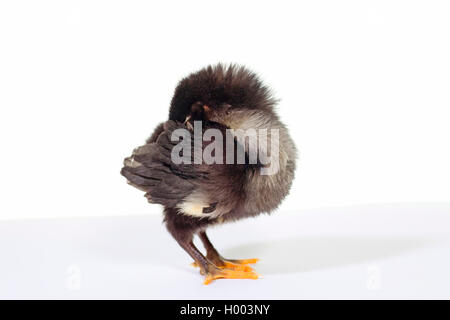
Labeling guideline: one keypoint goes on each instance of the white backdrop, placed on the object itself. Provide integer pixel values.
(364, 88)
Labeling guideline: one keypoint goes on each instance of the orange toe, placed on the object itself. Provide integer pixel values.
(229, 274)
(244, 261)
(236, 266)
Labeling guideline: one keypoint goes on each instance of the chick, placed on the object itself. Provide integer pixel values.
(197, 194)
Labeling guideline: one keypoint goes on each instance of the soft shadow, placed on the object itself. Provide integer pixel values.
(314, 253)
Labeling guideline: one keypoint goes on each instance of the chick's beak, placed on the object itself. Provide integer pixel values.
(187, 122)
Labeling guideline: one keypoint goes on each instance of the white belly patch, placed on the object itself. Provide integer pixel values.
(193, 205)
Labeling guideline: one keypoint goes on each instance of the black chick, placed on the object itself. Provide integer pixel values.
(197, 194)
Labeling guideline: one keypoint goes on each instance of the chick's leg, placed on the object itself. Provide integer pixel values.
(207, 268)
(213, 256)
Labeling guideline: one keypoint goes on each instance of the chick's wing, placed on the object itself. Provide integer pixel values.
(150, 168)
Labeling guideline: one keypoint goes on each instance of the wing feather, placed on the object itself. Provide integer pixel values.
(150, 169)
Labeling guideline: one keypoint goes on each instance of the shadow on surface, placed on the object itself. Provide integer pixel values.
(314, 253)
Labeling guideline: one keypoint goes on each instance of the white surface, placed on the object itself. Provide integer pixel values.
(379, 251)
(363, 87)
